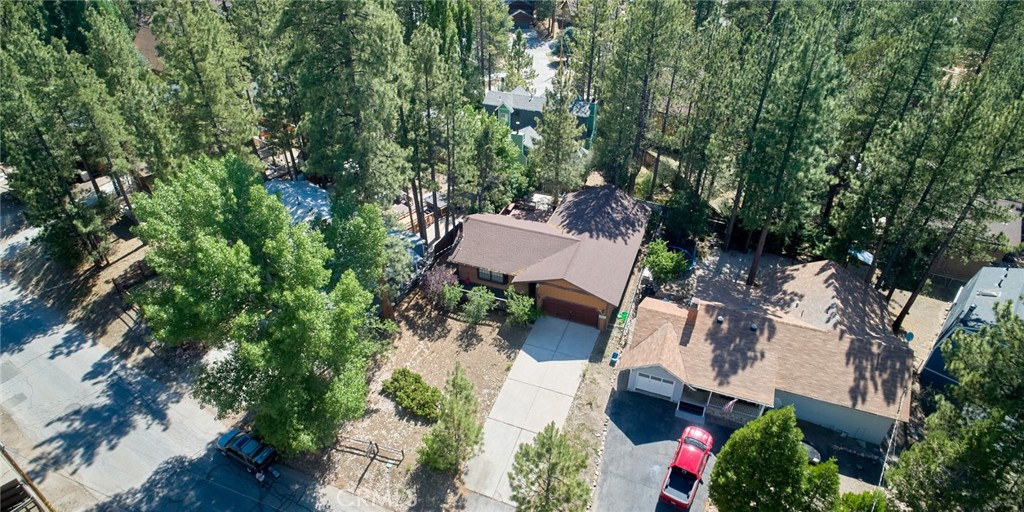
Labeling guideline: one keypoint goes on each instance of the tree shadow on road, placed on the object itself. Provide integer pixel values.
(127, 400)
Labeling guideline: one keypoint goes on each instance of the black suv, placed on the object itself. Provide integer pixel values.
(246, 450)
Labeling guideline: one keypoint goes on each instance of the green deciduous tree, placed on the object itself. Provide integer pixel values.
(970, 457)
(204, 70)
(494, 176)
(764, 467)
(547, 474)
(234, 273)
(664, 265)
(458, 433)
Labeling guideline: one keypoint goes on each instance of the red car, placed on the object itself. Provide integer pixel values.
(684, 474)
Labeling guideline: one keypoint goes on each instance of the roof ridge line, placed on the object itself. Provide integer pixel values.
(520, 228)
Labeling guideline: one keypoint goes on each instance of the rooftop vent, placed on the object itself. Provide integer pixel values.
(753, 327)
(988, 293)
(720, 319)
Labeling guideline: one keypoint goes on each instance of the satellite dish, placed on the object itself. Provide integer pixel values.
(909, 337)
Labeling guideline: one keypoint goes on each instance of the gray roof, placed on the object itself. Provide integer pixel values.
(991, 285)
(303, 200)
(530, 136)
(517, 99)
(580, 108)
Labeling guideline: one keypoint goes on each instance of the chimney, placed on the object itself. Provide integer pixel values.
(691, 313)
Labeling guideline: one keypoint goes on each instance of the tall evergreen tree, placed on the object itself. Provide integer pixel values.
(786, 167)
(519, 70)
(491, 25)
(970, 457)
(204, 69)
(349, 62)
(138, 94)
(557, 157)
(590, 46)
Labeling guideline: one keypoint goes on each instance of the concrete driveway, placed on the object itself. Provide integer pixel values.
(642, 437)
(538, 390)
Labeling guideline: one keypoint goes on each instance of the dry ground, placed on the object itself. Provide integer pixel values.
(430, 343)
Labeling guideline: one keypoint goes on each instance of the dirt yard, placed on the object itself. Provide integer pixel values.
(430, 343)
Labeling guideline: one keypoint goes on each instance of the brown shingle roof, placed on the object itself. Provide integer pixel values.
(590, 241)
(610, 225)
(866, 374)
(507, 245)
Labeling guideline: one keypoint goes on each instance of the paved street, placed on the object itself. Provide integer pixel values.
(538, 390)
(540, 52)
(96, 434)
(642, 437)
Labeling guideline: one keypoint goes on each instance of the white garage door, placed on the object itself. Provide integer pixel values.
(656, 385)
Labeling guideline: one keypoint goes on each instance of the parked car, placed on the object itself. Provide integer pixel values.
(247, 451)
(684, 474)
(813, 455)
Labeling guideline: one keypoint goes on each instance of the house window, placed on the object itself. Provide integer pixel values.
(489, 275)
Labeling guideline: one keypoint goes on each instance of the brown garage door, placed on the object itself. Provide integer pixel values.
(571, 311)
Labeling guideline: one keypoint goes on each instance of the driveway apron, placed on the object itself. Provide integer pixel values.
(538, 390)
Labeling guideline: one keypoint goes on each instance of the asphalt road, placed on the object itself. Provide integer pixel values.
(97, 434)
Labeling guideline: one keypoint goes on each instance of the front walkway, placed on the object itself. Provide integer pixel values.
(538, 390)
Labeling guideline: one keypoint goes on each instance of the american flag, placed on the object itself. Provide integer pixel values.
(729, 406)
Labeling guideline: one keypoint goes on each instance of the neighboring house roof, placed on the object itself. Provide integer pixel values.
(1013, 229)
(821, 294)
(991, 285)
(591, 241)
(303, 200)
(782, 353)
(518, 99)
(507, 245)
(530, 136)
(580, 108)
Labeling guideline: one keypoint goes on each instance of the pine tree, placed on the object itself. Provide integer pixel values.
(519, 70)
(491, 25)
(204, 69)
(458, 433)
(590, 46)
(970, 457)
(256, 24)
(496, 176)
(557, 155)
(350, 62)
(546, 474)
(139, 95)
(786, 167)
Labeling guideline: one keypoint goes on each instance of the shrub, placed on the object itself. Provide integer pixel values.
(862, 502)
(665, 265)
(451, 295)
(522, 309)
(434, 281)
(413, 394)
(479, 302)
(457, 435)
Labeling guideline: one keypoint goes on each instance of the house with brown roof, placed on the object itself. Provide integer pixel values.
(818, 343)
(576, 265)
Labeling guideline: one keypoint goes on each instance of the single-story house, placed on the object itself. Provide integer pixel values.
(974, 308)
(576, 265)
(737, 358)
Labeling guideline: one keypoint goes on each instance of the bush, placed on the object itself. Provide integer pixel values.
(665, 265)
(434, 281)
(522, 309)
(451, 295)
(479, 302)
(412, 394)
(862, 502)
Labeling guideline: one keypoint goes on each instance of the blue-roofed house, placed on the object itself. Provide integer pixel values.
(974, 308)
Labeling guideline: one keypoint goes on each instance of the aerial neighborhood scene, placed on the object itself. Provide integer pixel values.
(512, 255)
